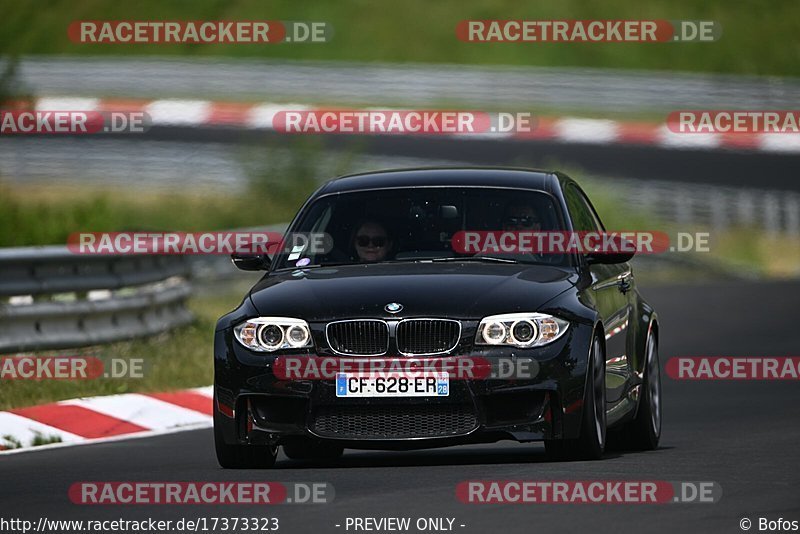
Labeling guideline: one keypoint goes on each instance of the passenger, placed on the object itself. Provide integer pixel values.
(521, 217)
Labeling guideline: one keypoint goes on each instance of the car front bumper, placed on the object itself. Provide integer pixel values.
(254, 405)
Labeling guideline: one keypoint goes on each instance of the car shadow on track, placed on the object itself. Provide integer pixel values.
(467, 455)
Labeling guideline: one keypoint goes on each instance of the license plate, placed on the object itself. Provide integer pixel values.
(392, 385)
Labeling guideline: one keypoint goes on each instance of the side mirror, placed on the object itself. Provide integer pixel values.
(606, 258)
(259, 262)
(618, 250)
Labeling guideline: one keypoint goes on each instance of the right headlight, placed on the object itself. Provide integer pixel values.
(268, 334)
(522, 330)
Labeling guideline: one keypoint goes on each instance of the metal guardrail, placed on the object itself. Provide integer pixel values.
(51, 298)
(409, 84)
(719, 208)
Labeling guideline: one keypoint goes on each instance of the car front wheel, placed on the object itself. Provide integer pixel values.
(644, 432)
(590, 444)
(241, 456)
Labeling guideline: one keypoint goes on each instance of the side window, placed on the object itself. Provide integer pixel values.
(584, 218)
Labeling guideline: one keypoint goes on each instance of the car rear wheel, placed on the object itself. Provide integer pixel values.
(241, 456)
(644, 432)
(307, 449)
(591, 442)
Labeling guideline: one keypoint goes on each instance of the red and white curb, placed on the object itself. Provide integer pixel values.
(113, 417)
(259, 116)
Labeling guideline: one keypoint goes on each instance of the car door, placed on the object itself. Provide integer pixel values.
(610, 286)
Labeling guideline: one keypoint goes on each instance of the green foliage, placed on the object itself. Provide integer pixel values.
(10, 442)
(757, 37)
(41, 439)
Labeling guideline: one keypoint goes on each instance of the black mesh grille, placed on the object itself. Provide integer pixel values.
(393, 422)
(360, 338)
(427, 336)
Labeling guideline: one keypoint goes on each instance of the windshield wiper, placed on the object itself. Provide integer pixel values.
(476, 258)
(313, 266)
(448, 259)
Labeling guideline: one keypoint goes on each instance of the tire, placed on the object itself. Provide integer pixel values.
(306, 449)
(644, 432)
(591, 442)
(241, 456)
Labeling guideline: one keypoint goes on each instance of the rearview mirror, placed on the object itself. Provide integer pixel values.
(448, 212)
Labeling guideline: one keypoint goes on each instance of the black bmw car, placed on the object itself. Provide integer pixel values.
(560, 345)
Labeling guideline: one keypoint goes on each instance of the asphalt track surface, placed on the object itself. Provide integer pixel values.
(742, 435)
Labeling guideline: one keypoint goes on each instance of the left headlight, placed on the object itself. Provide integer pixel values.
(522, 330)
(268, 334)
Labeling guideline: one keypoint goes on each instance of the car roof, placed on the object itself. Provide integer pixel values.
(516, 178)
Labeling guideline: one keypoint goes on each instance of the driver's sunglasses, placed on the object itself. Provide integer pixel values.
(524, 221)
(365, 240)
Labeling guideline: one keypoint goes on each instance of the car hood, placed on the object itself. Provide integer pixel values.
(461, 290)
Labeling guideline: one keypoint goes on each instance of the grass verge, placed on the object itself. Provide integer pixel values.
(756, 39)
(174, 360)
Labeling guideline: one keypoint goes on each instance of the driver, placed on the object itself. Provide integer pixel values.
(371, 241)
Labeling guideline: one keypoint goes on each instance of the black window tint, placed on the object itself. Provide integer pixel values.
(420, 223)
(581, 212)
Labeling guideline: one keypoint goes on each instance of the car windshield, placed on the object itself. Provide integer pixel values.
(425, 224)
